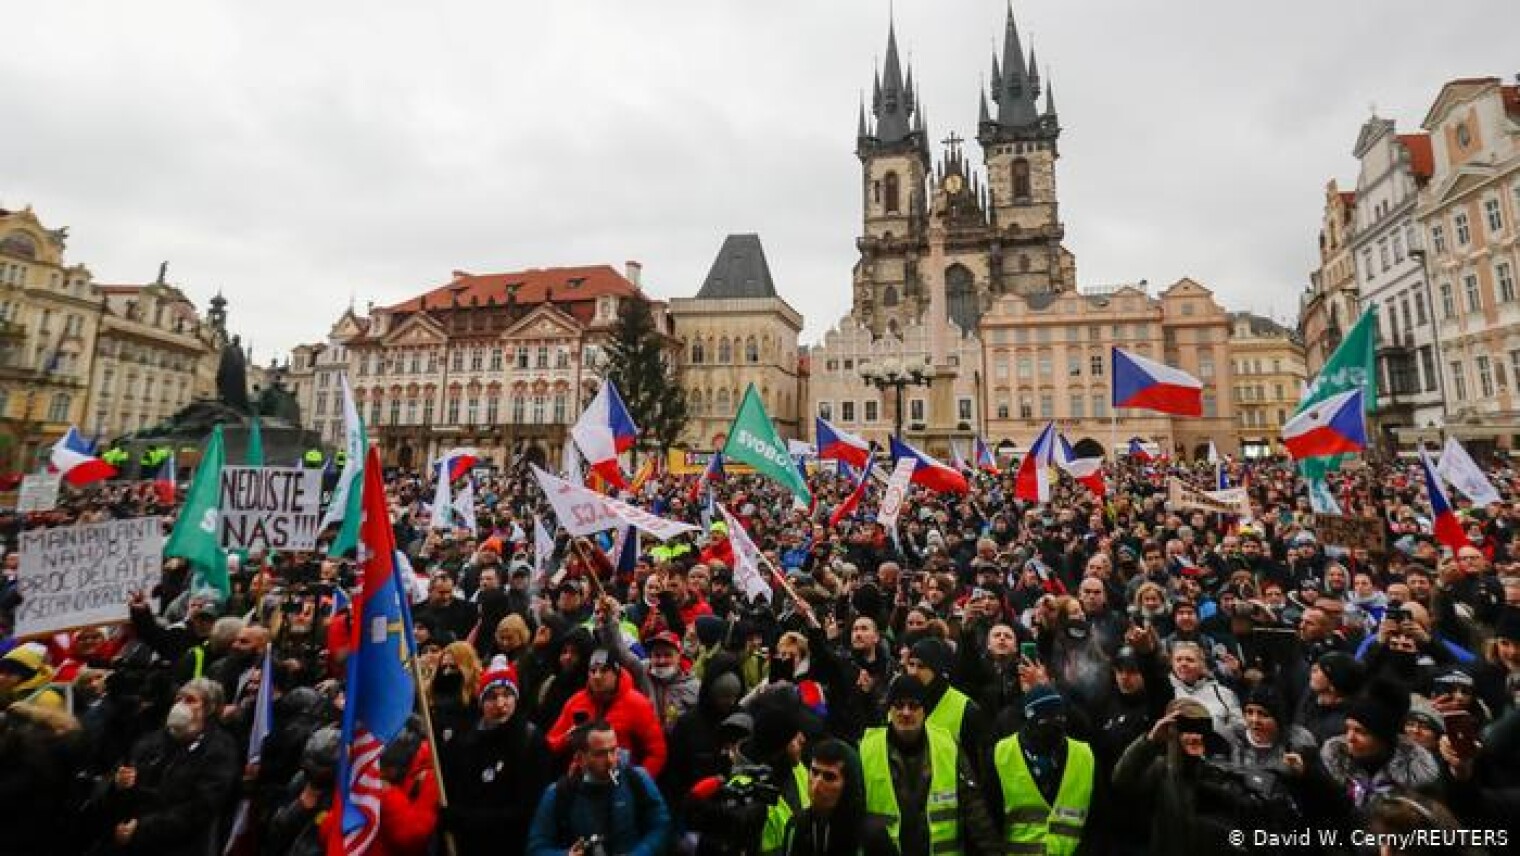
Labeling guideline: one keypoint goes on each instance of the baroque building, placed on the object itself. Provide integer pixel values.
(49, 314)
(941, 241)
(1269, 375)
(736, 331)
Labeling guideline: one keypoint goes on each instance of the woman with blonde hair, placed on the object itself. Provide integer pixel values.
(451, 691)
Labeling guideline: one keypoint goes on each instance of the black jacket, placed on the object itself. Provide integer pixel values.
(183, 792)
(494, 778)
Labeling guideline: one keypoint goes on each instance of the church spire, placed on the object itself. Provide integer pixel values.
(862, 131)
(1050, 98)
(1034, 73)
(894, 106)
(1013, 91)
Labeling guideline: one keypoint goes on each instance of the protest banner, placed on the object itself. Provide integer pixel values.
(583, 512)
(1338, 530)
(897, 490)
(74, 576)
(273, 508)
(39, 492)
(1184, 497)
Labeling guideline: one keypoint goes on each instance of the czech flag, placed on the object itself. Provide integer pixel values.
(849, 504)
(1087, 471)
(1032, 482)
(928, 472)
(457, 463)
(1138, 452)
(983, 457)
(604, 431)
(837, 445)
(72, 458)
(1139, 382)
(1448, 529)
(1334, 426)
(166, 483)
(713, 473)
(955, 458)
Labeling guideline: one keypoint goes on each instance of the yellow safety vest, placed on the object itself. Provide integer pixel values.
(1031, 825)
(950, 712)
(944, 801)
(779, 817)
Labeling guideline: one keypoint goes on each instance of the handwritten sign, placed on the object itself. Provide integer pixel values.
(273, 508)
(897, 490)
(39, 492)
(1338, 530)
(74, 576)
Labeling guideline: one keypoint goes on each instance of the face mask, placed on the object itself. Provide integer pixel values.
(781, 670)
(448, 681)
(180, 721)
(664, 673)
(1077, 631)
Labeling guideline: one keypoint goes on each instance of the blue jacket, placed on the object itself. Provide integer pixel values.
(640, 825)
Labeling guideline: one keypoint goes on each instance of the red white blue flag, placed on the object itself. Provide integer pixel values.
(982, 456)
(1332, 426)
(1145, 383)
(73, 457)
(851, 502)
(835, 444)
(604, 431)
(1448, 529)
(929, 473)
(1032, 482)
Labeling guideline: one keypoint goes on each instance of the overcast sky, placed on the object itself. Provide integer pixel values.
(298, 154)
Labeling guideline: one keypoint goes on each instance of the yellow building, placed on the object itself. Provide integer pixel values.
(735, 332)
(1050, 357)
(153, 355)
(1268, 362)
(49, 314)
(1469, 211)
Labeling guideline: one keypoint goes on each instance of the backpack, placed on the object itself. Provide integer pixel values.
(568, 787)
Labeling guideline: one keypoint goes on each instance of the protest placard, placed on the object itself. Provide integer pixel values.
(273, 508)
(73, 576)
(897, 490)
(39, 492)
(1338, 530)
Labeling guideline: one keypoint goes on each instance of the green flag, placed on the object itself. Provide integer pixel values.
(1352, 365)
(752, 439)
(348, 496)
(255, 454)
(195, 537)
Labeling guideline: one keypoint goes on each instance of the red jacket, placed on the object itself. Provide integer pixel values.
(630, 714)
(409, 810)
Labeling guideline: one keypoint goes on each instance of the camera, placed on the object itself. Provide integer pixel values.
(593, 845)
(1396, 611)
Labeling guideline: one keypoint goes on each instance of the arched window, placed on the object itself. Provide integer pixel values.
(961, 295)
(723, 401)
(1021, 179)
(725, 351)
(889, 296)
(892, 206)
(697, 353)
(695, 397)
(751, 350)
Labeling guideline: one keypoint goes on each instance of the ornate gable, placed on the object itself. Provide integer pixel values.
(544, 322)
(418, 329)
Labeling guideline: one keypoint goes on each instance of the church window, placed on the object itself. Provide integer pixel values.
(725, 351)
(1021, 180)
(751, 350)
(892, 206)
(959, 289)
(723, 400)
(696, 353)
(889, 296)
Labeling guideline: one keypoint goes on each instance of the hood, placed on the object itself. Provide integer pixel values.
(717, 666)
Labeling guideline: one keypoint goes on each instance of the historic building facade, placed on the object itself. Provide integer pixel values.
(1050, 357)
(738, 331)
(1470, 213)
(153, 355)
(502, 362)
(1268, 363)
(1391, 282)
(49, 315)
(940, 243)
(1331, 305)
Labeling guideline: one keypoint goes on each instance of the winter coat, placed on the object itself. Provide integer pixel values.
(183, 791)
(1169, 788)
(1223, 704)
(1289, 739)
(40, 751)
(631, 716)
(635, 824)
(1410, 766)
(495, 776)
(409, 810)
(695, 744)
(673, 697)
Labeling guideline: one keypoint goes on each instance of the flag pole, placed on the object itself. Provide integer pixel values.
(427, 713)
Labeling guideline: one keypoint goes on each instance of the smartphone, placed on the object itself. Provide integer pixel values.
(1462, 730)
(1029, 651)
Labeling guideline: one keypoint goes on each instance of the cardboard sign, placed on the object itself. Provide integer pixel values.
(74, 576)
(1338, 530)
(897, 490)
(270, 508)
(39, 492)
(1184, 497)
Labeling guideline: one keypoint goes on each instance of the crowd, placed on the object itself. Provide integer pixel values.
(1088, 676)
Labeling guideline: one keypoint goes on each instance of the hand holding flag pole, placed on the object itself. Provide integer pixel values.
(802, 605)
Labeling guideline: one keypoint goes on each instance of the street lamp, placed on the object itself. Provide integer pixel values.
(893, 374)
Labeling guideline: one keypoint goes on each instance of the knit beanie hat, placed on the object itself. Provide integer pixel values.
(1266, 698)
(935, 654)
(1423, 711)
(775, 727)
(1508, 626)
(1381, 711)
(499, 674)
(1042, 701)
(906, 688)
(1343, 671)
(24, 661)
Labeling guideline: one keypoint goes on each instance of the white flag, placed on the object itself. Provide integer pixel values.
(583, 511)
(570, 463)
(543, 549)
(443, 503)
(1213, 453)
(1464, 474)
(463, 507)
(747, 573)
(346, 498)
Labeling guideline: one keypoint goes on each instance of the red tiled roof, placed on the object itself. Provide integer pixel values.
(1422, 159)
(532, 286)
(1348, 198)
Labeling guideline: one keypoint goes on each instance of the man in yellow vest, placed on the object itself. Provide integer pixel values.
(777, 742)
(1045, 780)
(933, 663)
(921, 781)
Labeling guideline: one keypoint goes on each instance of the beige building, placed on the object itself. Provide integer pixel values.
(1268, 363)
(153, 355)
(1469, 212)
(49, 314)
(1331, 305)
(501, 362)
(1050, 357)
(735, 332)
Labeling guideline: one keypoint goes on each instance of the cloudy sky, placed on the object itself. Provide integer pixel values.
(299, 155)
